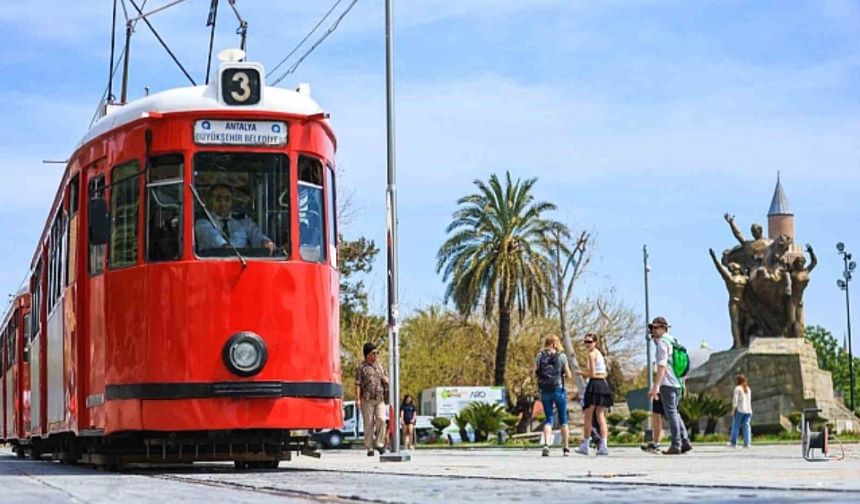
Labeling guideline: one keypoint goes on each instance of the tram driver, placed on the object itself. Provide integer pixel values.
(242, 231)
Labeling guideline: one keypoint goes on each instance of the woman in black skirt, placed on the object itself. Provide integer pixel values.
(598, 395)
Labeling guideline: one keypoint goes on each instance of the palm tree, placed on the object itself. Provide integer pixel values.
(493, 255)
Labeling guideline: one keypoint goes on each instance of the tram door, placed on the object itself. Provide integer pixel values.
(55, 305)
(91, 323)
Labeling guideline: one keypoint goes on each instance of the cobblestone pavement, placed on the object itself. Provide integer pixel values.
(707, 474)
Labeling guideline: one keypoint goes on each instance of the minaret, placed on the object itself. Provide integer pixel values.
(780, 220)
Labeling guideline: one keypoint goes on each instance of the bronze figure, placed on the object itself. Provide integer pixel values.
(765, 281)
(736, 283)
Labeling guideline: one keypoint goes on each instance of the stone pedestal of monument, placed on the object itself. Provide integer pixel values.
(784, 376)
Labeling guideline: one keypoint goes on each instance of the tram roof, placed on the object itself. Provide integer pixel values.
(203, 98)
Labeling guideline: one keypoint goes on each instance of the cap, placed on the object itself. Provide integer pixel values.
(659, 321)
(368, 347)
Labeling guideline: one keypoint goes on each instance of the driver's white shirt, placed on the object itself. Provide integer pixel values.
(243, 233)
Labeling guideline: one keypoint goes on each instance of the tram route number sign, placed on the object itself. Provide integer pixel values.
(268, 133)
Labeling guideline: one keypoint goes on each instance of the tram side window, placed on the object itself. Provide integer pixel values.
(56, 257)
(332, 207)
(72, 234)
(11, 346)
(26, 337)
(164, 208)
(311, 237)
(124, 196)
(36, 300)
(247, 201)
(96, 263)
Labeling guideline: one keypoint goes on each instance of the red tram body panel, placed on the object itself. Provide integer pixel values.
(15, 371)
(186, 280)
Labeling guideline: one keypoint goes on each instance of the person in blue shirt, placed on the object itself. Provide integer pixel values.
(243, 232)
(407, 420)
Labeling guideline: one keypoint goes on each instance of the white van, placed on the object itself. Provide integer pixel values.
(353, 427)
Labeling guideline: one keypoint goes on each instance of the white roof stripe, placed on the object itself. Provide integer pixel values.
(200, 98)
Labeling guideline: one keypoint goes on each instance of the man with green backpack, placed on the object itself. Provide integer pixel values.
(672, 365)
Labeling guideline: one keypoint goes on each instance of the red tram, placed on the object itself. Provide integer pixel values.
(185, 288)
(15, 372)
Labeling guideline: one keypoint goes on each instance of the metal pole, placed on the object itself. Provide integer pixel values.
(123, 96)
(848, 316)
(391, 206)
(649, 433)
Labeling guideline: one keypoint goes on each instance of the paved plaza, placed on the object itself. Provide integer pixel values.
(774, 473)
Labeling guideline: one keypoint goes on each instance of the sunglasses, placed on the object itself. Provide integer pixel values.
(588, 341)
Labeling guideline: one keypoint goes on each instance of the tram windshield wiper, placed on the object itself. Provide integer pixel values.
(216, 226)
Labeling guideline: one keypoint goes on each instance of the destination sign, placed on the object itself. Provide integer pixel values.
(269, 133)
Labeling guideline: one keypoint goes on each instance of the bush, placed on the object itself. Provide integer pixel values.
(614, 419)
(713, 438)
(462, 422)
(627, 438)
(634, 421)
(440, 424)
(794, 418)
(485, 418)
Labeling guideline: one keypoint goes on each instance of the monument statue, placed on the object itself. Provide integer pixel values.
(765, 276)
(765, 281)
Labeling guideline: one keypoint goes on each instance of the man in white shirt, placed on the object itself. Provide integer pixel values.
(668, 387)
(243, 233)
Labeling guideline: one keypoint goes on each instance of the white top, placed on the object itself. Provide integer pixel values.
(599, 363)
(663, 357)
(742, 401)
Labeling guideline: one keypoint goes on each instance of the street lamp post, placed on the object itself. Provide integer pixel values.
(396, 455)
(847, 275)
(649, 432)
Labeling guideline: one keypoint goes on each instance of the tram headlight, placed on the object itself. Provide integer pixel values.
(245, 354)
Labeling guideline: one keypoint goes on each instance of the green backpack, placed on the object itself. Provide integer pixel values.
(680, 358)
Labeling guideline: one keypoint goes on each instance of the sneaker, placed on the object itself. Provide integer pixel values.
(381, 450)
(650, 447)
(582, 450)
(369, 453)
(545, 451)
(565, 452)
(672, 451)
(730, 445)
(747, 447)
(686, 446)
(603, 450)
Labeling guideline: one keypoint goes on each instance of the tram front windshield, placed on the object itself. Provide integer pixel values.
(246, 199)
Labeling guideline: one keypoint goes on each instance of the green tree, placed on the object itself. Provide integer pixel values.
(834, 358)
(826, 347)
(493, 256)
(354, 258)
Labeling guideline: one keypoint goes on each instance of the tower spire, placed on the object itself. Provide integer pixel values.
(779, 203)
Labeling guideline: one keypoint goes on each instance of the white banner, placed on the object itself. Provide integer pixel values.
(268, 133)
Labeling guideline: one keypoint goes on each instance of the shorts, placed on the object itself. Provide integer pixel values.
(559, 398)
(597, 393)
(657, 406)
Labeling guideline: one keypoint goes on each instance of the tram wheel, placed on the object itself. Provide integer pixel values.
(240, 464)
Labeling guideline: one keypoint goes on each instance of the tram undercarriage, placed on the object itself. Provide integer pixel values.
(253, 449)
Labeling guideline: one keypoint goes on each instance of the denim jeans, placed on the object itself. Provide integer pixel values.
(741, 421)
(559, 398)
(670, 396)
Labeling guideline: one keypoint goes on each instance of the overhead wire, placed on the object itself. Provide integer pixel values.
(328, 32)
(321, 21)
(107, 91)
(160, 40)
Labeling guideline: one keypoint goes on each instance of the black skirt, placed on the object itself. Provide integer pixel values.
(597, 393)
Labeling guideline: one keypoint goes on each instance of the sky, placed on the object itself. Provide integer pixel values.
(643, 121)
